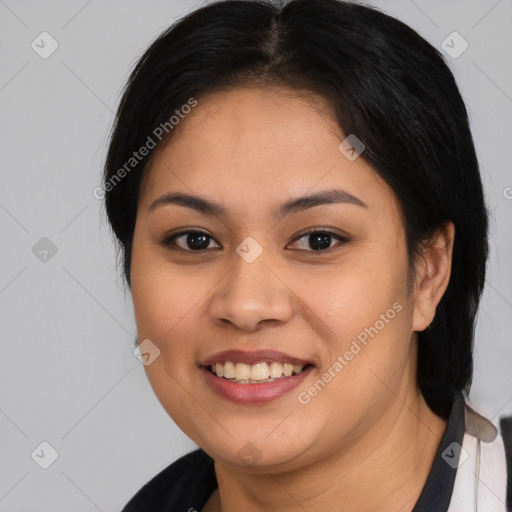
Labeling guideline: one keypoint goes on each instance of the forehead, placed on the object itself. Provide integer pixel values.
(241, 124)
(255, 147)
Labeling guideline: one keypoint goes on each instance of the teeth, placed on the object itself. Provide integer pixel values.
(242, 371)
(229, 370)
(245, 373)
(288, 369)
(260, 371)
(276, 370)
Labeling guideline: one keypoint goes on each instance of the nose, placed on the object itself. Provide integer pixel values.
(251, 294)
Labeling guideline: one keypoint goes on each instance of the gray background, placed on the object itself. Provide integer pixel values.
(67, 372)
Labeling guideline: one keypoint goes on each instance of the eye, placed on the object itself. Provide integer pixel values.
(319, 240)
(191, 241)
(316, 240)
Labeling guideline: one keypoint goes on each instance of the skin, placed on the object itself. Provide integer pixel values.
(367, 440)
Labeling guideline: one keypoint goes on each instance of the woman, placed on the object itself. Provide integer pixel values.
(298, 203)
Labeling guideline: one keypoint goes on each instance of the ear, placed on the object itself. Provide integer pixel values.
(433, 269)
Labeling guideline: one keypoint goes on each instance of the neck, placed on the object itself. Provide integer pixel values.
(385, 469)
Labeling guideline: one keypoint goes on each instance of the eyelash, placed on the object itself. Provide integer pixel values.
(168, 241)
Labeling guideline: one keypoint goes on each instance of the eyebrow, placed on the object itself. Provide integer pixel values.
(209, 207)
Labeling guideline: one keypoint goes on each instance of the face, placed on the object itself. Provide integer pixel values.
(315, 288)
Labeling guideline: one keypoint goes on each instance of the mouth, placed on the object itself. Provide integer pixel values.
(254, 377)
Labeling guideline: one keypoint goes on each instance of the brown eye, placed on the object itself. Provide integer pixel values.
(191, 241)
(320, 241)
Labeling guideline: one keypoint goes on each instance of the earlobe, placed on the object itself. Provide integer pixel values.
(433, 269)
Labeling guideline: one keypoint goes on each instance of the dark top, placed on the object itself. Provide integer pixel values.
(186, 484)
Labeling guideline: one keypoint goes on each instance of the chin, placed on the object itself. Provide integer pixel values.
(257, 450)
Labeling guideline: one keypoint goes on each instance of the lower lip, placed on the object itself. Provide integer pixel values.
(254, 393)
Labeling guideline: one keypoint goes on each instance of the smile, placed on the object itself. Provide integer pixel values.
(254, 377)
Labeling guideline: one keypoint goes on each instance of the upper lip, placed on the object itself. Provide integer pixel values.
(258, 356)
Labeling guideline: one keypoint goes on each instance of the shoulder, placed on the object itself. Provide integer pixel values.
(482, 476)
(185, 482)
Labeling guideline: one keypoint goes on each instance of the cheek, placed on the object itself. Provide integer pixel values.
(366, 353)
(163, 294)
(166, 312)
(161, 302)
(352, 295)
(363, 305)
